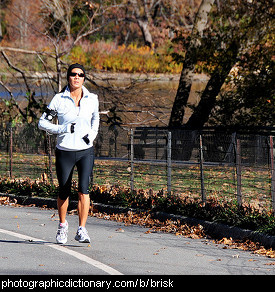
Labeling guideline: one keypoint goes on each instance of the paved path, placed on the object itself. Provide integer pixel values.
(27, 246)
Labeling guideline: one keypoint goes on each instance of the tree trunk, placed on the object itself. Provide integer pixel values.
(143, 25)
(1, 33)
(142, 21)
(58, 69)
(208, 99)
(177, 113)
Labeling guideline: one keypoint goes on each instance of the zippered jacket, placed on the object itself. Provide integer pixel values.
(77, 127)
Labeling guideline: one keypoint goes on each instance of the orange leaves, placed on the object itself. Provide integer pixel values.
(78, 55)
(177, 228)
(8, 201)
(154, 225)
(226, 241)
(131, 59)
(180, 229)
(247, 245)
(267, 252)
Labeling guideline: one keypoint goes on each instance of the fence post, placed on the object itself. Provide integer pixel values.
(169, 162)
(203, 197)
(132, 159)
(156, 141)
(272, 174)
(239, 172)
(10, 149)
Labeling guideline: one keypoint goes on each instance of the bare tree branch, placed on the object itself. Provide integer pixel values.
(16, 69)
(19, 50)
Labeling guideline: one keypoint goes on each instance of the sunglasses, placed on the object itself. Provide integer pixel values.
(72, 74)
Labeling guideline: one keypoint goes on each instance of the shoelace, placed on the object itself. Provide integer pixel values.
(82, 230)
(61, 230)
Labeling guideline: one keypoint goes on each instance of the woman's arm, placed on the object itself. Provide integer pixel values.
(45, 122)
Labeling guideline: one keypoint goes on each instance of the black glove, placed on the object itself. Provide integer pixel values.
(72, 127)
(86, 139)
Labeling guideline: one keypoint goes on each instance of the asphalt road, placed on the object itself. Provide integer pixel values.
(27, 246)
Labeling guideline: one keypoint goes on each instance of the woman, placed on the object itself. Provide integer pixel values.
(78, 120)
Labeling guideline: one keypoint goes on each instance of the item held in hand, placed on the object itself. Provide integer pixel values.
(50, 114)
(86, 139)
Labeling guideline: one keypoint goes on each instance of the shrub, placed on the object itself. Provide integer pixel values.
(229, 213)
(129, 59)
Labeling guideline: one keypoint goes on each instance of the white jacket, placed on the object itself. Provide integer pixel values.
(86, 119)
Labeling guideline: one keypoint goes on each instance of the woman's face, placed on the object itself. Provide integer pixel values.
(76, 82)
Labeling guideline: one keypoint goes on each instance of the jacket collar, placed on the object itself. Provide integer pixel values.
(68, 94)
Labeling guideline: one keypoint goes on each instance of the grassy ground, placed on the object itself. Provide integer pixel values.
(112, 181)
(219, 181)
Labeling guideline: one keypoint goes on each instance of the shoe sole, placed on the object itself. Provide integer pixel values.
(82, 241)
(61, 242)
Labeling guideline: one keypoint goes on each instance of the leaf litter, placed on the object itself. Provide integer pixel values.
(176, 227)
(168, 226)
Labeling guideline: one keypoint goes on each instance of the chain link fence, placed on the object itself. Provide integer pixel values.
(228, 164)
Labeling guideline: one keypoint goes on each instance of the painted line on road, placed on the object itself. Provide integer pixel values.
(70, 252)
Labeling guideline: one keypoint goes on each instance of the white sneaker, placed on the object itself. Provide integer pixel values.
(62, 233)
(82, 235)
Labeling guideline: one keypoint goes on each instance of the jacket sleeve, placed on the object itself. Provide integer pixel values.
(46, 124)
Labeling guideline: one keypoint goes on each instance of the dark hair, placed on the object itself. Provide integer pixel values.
(73, 66)
(63, 89)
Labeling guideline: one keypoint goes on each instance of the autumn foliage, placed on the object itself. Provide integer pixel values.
(102, 56)
(245, 216)
(144, 218)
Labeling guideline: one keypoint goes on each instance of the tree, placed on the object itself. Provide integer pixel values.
(157, 20)
(54, 27)
(21, 16)
(143, 21)
(189, 62)
(235, 27)
(248, 99)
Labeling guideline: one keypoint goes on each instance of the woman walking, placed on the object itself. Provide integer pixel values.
(78, 119)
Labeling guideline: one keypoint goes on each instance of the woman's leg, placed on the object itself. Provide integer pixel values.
(84, 168)
(62, 206)
(65, 161)
(83, 208)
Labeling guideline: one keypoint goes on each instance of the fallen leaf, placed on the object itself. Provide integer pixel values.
(226, 241)
(176, 227)
(119, 230)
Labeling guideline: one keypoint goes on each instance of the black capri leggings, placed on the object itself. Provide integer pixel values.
(65, 163)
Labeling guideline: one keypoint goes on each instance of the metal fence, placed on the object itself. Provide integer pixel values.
(227, 164)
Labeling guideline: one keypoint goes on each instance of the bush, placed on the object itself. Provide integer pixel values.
(129, 59)
(229, 213)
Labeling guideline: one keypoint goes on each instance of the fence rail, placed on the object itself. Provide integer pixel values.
(227, 164)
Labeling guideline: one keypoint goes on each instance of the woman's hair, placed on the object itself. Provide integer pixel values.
(63, 89)
(71, 67)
